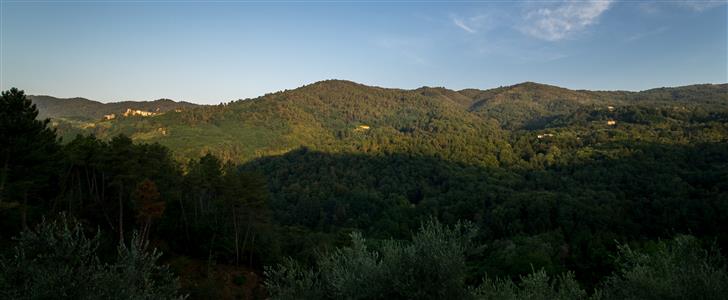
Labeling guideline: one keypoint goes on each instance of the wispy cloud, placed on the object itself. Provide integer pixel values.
(460, 23)
(558, 22)
(473, 24)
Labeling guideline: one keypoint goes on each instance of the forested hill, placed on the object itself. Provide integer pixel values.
(530, 105)
(584, 187)
(85, 109)
(342, 116)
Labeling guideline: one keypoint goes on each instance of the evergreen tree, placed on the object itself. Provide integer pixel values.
(28, 154)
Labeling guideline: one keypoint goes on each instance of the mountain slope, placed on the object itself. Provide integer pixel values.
(470, 126)
(529, 104)
(532, 105)
(338, 116)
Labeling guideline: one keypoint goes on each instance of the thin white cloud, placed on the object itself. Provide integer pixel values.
(460, 23)
(478, 23)
(558, 22)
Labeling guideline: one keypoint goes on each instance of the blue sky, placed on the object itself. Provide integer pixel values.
(211, 52)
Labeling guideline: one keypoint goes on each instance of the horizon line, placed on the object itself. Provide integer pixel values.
(373, 86)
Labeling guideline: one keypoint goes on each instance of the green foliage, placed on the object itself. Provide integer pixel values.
(537, 285)
(136, 275)
(431, 266)
(102, 178)
(677, 269)
(58, 260)
(223, 207)
(292, 280)
(28, 155)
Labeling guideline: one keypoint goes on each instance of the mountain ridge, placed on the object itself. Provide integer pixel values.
(345, 116)
(87, 109)
(468, 92)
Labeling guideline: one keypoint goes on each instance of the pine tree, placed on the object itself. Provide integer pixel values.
(28, 153)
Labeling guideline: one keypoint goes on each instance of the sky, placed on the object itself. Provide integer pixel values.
(219, 51)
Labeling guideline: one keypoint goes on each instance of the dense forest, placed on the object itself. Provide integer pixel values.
(340, 190)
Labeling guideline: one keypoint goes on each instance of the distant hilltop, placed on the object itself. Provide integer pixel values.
(82, 108)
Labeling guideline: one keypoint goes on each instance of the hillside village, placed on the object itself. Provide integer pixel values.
(136, 112)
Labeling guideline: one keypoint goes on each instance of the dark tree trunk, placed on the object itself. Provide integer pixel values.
(247, 232)
(121, 215)
(252, 246)
(3, 178)
(209, 256)
(237, 237)
(24, 211)
(185, 220)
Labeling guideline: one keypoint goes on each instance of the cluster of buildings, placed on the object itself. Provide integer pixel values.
(133, 112)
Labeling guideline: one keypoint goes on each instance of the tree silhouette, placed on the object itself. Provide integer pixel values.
(28, 153)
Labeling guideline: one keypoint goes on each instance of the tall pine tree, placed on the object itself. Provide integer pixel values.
(28, 154)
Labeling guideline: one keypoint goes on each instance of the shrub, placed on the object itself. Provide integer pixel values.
(677, 269)
(58, 261)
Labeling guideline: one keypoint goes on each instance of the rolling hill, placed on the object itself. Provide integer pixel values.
(473, 126)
